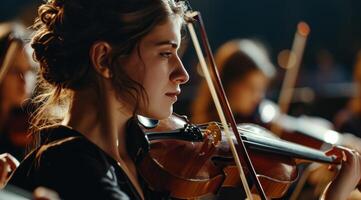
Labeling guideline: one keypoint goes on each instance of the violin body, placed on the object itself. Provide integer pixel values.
(189, 169)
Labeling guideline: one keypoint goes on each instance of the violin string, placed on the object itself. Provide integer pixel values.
(242, 130)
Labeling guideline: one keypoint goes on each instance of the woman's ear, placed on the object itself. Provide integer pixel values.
(99, 53)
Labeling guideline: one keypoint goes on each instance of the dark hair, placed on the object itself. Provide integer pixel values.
(235, 60)
(237, 66)
(66, 30)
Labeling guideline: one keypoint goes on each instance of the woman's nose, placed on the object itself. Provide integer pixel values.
(180, 74)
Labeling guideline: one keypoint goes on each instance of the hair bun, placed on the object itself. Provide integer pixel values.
(46, 51)
(50, 15)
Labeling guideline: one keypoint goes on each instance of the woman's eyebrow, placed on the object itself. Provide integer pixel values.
(167, 42)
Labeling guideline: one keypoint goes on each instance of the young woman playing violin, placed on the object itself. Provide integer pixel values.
(108, 61)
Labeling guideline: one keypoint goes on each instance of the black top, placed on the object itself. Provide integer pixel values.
(76, 168)
(13, 133)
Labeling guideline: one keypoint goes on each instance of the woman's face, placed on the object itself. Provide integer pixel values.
(13, 85)
(156, 65)
(245, 94)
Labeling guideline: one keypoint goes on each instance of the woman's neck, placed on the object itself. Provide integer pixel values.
(101, 119)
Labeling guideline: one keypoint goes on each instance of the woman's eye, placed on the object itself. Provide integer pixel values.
(166, 54)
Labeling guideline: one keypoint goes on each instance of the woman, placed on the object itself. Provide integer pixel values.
(15, 86)
(245, 71)
(107, 60)
(101, 58)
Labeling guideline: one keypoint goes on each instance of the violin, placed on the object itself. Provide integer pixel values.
(188, 161)
(309, 131)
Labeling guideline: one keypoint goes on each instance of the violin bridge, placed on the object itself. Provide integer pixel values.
(213, 133)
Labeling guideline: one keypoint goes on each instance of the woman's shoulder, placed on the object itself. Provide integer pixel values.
(62, 143)
(68, 163)
(64, 152)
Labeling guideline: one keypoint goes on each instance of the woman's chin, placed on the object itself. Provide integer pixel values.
(165, 114)
(159, 114)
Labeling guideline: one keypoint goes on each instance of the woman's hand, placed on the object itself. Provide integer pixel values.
(7, 165)
(42, 193)
(348, 176)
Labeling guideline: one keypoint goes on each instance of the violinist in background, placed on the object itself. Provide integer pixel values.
(245, 70)
(15, 87)
(102, 63)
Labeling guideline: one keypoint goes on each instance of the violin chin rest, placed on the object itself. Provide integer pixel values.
(146, 122)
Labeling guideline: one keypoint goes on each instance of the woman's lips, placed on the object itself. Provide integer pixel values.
(173, 95)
